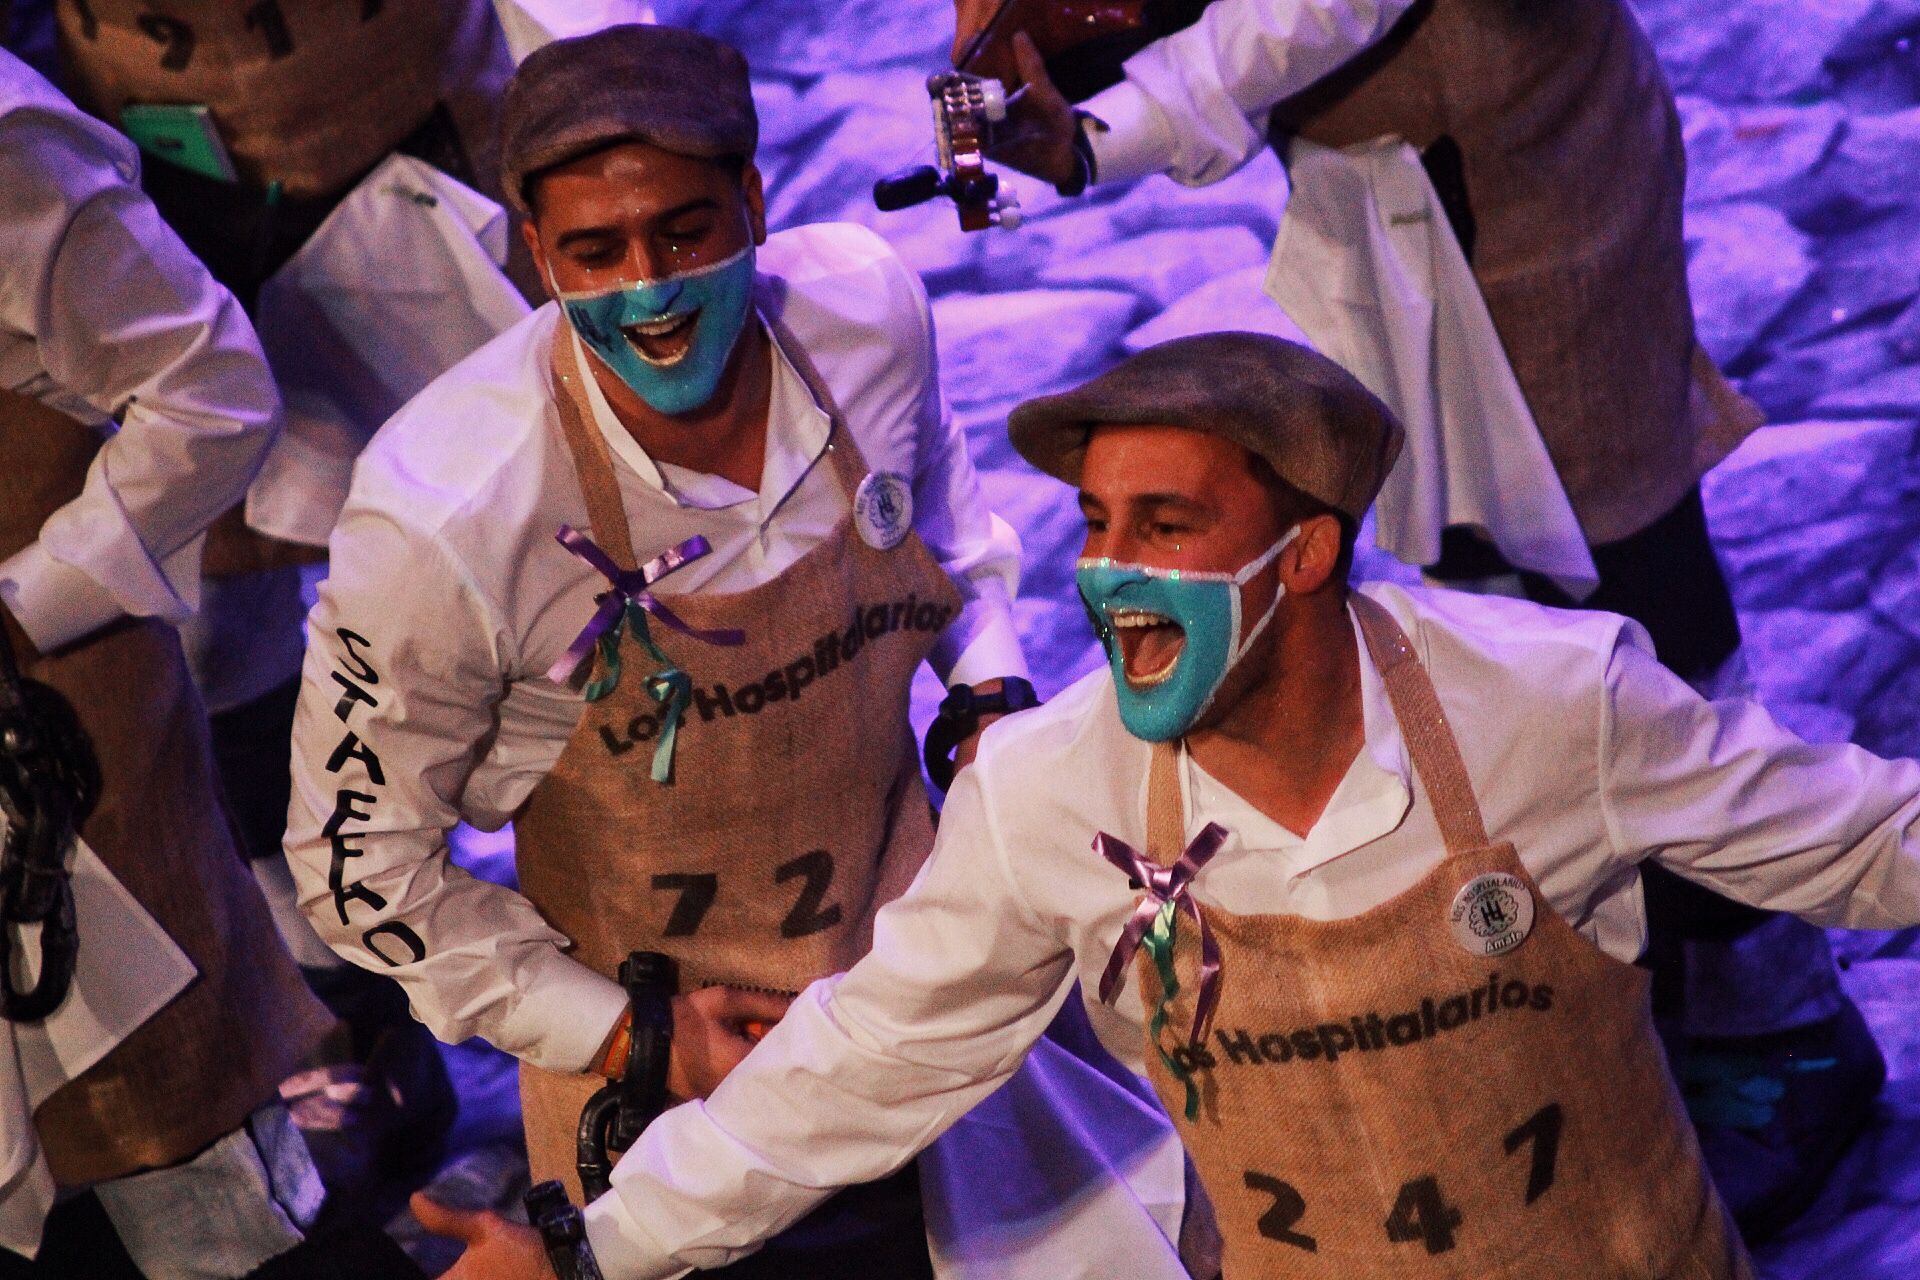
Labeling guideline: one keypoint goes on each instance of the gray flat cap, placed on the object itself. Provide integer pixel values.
(676, 89)
(1323, 433)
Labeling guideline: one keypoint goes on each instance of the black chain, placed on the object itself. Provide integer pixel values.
(49, 784)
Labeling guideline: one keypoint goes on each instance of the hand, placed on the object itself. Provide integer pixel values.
(497, 1249)
(711, 1034)
(1037, 136)
(970, 18)
(611, 1060)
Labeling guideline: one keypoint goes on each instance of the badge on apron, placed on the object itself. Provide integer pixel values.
(1492, 914)
(883, 510)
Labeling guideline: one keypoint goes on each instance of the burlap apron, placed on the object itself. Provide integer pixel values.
(795, 785)
(197, 1069)
(308, 93)
(1374, 1100)
(1574, 170)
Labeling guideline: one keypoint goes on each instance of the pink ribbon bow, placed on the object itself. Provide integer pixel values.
(1165, 886)
(629, 587)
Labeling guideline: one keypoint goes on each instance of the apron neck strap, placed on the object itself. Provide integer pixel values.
(1166, 811)
(1423, 724)
(592, 459)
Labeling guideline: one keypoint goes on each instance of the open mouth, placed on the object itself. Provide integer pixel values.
(664, 342)
(1150, 645)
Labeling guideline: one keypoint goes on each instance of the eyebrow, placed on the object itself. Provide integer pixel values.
(583, 233)
(577, 234)
(1166, 500)
(1146, 501)
(698, 204)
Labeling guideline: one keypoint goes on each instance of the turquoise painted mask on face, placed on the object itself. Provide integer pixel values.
(1205, 606)
(714, 299)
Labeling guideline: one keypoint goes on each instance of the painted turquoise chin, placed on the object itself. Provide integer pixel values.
(1205, 607)
(722, 294)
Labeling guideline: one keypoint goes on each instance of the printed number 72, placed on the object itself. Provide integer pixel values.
(811, 912)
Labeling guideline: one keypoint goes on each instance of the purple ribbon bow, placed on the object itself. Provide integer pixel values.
(1165, 886)
(629, 587)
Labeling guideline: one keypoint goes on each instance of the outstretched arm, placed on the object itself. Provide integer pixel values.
(1723, 795)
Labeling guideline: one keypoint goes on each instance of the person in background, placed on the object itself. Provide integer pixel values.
(319, 158)
(135, 407)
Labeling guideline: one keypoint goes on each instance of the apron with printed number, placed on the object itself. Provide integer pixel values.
(307, 93)
(1455, 1084)
(194, 1071)
(795, 789)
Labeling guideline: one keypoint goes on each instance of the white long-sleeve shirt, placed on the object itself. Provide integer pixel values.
(449, 600)
(1582, 749)
(105, 316)
(1194, 106)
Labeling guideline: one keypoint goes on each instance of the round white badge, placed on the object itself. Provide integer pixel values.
(883, 510)
(1492, 914)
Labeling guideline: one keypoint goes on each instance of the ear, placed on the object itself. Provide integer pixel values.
(755, 191)
(539, 252)
(1313, 559)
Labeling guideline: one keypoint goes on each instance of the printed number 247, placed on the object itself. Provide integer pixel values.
(1421, 1213)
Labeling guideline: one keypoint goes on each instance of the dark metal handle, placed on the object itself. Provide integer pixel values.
(959, 719)
(49, 782)
(593, 1143)
(619, 1112)
(563, 1230)
(907, 188)
(59, 952)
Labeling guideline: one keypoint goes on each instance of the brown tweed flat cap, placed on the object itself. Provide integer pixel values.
(677, 89)
(1323, 432)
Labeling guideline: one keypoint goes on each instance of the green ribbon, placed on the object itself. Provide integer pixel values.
(1159, 945)
(671, 687)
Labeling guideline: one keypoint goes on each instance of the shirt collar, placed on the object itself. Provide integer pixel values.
(797, 431)
(1373, 797)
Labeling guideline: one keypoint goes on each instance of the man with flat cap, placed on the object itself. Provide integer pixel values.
(1483, 223)
(1351, 875)
(649, 576)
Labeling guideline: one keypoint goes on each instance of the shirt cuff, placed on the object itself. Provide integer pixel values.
(1135, 142)
(566, 1009)
(54, 602)
(299, 493)
(622, 1246)
(986, 644)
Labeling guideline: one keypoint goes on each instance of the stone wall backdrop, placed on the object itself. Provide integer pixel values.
(1803, 224)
